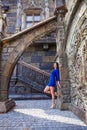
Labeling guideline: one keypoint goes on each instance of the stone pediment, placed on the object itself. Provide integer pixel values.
(33, 4)
(31, 10)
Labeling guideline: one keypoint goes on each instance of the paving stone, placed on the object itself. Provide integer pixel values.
(37, 115)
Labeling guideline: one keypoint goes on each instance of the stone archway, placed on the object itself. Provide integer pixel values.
(76, 52)
(20, 42)
(16, 46)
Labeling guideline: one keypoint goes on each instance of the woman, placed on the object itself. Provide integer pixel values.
(54, 80)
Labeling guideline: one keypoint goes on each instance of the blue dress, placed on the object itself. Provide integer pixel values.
(54, 76)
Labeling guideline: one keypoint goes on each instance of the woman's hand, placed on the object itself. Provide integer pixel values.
(58, 84)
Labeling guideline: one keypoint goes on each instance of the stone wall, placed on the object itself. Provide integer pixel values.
(12, 12)
(14, 46)
(70, 6)
(37, 56)
(77, 56)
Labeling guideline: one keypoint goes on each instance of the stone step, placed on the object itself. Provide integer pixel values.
(33, 96)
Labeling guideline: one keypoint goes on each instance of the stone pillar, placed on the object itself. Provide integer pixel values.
(1, 36)
(19, 17)
(43, 14)
(47, 13)
(1, 18)
(64, 92)
(5, 103)
(23, 21)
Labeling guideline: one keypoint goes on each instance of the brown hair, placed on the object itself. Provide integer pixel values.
(57, 65)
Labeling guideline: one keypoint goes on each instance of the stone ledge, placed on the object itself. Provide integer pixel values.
(5, 106)
(39, 24)
(80, 113)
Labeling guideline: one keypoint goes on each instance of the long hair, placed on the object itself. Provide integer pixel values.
(57, 64)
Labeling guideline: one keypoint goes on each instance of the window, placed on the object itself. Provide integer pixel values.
(32, 19)
(37, 18)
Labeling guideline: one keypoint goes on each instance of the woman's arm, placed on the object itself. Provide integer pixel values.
(58, 84)
(58, 79)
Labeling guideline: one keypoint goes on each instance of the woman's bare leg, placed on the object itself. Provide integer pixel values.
(50, 90)
(47, 90)
(53, 95)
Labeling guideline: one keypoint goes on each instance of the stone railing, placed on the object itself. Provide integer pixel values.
(33, 76)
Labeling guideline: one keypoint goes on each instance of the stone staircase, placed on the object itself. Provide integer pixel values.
(30, 83)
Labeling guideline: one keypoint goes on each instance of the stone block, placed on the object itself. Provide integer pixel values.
(14, 56)
(35, 59)
(6, 105)
(50, 53)
(4, 83)
(39, 30)
(5, 50)
(51, 58)
(63, 106)
(11, 15)
(46, 59)
(3, 95)
(53, 47)
(63, 73)
(46, 66)
(10, 49)
(5, 56)
(30, 49)
(28, 38)
(79, 112)
(8, 70)
(11, 29)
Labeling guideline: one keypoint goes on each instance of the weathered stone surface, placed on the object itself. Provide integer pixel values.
(76, 52)
(6, 105)
(79, 112)
(4, 82)
(64, 97)
(4, 95)
(7, 72)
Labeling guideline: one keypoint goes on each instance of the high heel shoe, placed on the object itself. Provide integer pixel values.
(53, 106)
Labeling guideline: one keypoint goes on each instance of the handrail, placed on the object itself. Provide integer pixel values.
(34, 68)
(53, 18)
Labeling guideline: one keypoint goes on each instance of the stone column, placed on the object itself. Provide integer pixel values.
(1, 35)
(19, 17)
(23, 21)
(43, 14)
(5, 103)
(64, 92)
(1, 18)
(47, 13)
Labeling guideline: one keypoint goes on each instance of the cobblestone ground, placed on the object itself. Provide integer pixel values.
(37, 115)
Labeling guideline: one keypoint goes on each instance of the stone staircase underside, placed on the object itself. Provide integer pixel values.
(24, 91)
(30, 78)
(19, 42)
(33, 76)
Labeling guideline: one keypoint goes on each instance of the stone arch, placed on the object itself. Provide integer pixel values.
(21, 41)
(76, 51)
